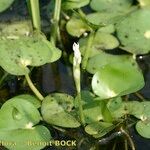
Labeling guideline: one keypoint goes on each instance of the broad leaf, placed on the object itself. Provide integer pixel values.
(102, 59)
(125, 78)
(23, 51)
(134, 32)
(22, 139)
(18, 113)
(110, 5)
(143, 128)
(99, 129)
(4, 4)
(56, 110)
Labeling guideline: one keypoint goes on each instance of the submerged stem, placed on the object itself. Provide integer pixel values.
(128, 138)
(3, 77)
(33, 88)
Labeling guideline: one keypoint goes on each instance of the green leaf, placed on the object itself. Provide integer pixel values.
(23, 51)
(143, 128)
(110, 5)
(22, 139)
(102, 59)
(144, 3)
(135, 108)
(99, 129)
(17, 28)
(134, 32)
(93, 111)
(77, 27)
(117, 107)
(125, 78)
(104, 18)
(18, 113)
(107, 29)
(4, 4)
(74, 4)
(32, 99)
(56, 110)
(101, 41)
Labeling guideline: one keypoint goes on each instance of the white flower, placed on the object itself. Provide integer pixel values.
(77, 54)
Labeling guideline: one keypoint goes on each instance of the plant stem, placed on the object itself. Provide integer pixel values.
(33, 88)
(125, 144)
(129, 138)
(55, 22)
(35, 11)
(87, 50)
(139, 96)
(3, 77)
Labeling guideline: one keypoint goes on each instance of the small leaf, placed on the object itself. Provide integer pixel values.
(76, 27)
(144, 3)
(143, 128)
(55, 111)
(125, 78)
(101, 41)
(107, 29)
(99, 129)
(4, 4)
(22, 139)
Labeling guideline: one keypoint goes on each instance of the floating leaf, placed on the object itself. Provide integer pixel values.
(134, 32)
(93, 111)
(144, 3)
(104, 18)
(111, 5)
(102, 59)
(76, 27)
(143, 128)
(99, 129)
(101, 41)
(4, 4)
(22, 139)
(125, 78)
(17, 28)
(23, 51)
(55, 111)
(30, 98)
(107, 29)
(18, 113)
(72, 4)
(135, 108)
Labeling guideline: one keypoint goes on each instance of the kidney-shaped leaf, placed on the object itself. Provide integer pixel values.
(143, 128)
(18, 113)
(56, 111)
(99, 129)
(110, 5)
(102, 59)
(4, 4)
(22, 139)
(117, 79)
(76, 27)
(18, 52)
(134, 32)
